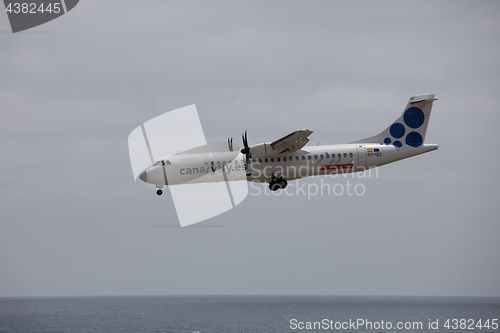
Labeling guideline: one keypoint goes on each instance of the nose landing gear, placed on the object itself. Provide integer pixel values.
(159, 191)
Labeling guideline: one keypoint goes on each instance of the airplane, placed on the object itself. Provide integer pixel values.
(288, 158)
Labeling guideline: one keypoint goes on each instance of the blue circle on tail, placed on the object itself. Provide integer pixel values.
(387, 141)
(397, 130)
(414, 139)
(414, 117)
(398, 144)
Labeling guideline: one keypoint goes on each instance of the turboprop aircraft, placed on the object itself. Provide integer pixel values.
(289, 158)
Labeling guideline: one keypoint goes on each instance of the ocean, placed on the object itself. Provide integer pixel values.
(266, 314)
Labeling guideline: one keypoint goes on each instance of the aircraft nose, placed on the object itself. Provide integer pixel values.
(144, 177)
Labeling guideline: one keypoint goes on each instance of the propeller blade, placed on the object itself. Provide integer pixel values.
(246, 149)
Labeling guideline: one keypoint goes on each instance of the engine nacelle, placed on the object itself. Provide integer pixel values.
(289, 143)
(263, 149)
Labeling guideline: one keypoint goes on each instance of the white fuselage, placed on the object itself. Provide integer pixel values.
(309, 161)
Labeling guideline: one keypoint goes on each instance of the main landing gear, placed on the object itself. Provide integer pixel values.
(277, 183)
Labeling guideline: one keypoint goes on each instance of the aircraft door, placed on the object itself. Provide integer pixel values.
(361, 156)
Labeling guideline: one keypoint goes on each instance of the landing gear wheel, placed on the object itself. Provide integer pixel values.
(159, 192)
(274, 186)
(277, 183)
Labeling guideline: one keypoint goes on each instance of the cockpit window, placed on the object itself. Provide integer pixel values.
(168, 162)
(156, 163)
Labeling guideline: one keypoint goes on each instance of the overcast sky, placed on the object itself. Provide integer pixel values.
(72, 221)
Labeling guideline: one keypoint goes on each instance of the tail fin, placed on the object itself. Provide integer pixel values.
(409, 129)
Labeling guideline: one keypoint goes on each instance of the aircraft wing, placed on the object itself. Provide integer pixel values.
(291, 142)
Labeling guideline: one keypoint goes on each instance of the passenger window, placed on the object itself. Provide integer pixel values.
(278, 159)
(350, 154)
(296, 158)
(315, 157)
(320, 156)
(260, 160)
(266, 160)
(303, 157)
(327, 156)
(254, 160)
(272, 159)
(345, 155)
(339, 156)
(308, 157)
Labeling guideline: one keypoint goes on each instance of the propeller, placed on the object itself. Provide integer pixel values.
(230, 144)
(246, 150)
